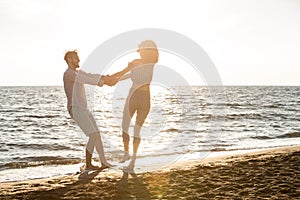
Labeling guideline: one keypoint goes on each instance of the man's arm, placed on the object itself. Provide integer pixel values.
(83, 77)
(87, 78)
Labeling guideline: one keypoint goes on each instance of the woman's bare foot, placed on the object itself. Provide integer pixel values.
(125, 158)
(130, 167)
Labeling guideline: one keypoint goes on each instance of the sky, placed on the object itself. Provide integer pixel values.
(251, 42)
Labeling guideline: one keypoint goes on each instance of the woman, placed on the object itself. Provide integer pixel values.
(138, 100)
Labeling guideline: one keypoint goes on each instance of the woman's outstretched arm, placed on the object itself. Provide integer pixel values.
(124, 71)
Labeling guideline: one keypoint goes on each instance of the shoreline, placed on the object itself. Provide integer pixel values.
(205, 178)
(143, 164)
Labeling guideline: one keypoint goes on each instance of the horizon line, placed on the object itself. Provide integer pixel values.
(225, 85)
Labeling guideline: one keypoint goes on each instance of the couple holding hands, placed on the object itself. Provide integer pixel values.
(138, 101)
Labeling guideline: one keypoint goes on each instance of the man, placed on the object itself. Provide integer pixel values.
(74, 81)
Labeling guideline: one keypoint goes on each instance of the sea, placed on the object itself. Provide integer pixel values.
(38, 139)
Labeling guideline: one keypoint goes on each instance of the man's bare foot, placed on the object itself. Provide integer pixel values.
(89, 167)
(106, 165)
(92, 167)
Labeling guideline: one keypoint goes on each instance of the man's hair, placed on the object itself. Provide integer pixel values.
(69, 53)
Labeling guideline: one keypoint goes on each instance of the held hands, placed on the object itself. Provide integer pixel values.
(112, 80)
(109, 80)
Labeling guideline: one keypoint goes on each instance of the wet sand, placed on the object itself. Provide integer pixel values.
(266, 174)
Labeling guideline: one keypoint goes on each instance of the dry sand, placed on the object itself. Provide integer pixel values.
(267, 174)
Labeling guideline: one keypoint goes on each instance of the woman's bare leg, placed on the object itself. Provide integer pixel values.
(127, 116)
(140, 119)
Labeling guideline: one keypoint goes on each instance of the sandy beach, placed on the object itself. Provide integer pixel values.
(265, 174)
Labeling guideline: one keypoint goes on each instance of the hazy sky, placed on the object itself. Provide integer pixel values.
(255, 42)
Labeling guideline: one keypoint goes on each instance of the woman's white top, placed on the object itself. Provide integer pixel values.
(140, 75)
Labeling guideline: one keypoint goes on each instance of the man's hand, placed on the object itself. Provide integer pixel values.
(110, 80)
(101, 82)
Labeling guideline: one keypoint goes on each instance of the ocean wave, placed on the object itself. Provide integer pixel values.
(287, 135)
(10, 111)
(40, 161)
(230, 104)
(42, 116)
(271, 106)
(262, 137)
(218, 149)
(172, 130)
(290, 135)
(245, 116)
(40, 158)
(51, 147)
(232, 116)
